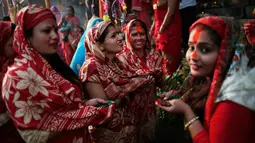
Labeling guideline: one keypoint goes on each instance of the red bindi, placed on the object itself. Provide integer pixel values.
(197, 34)
(139, 28)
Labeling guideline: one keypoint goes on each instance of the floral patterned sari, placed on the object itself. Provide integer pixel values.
(134, 120)
(44, 106)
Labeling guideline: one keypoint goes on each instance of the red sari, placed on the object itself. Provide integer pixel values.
(134, 120)
(8, 132)
(74, 35)
(151, 63)
(44, 106)
(170, 40)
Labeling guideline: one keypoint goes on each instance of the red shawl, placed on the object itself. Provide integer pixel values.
(223, 61)
(42, 104)
(139, 109)
(150, 64)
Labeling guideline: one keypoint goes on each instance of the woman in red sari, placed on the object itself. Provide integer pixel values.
(167, 32)
(230, 102)
(8, 132)
(137, 55)
(134, 117)
(71, 33)
(42, 94)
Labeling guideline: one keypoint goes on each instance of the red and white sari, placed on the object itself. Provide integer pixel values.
(44, 106)
(134, 120)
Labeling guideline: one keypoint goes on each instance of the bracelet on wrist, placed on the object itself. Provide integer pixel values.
(190, 122)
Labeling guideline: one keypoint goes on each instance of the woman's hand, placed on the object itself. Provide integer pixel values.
(249, 29)
(175, 106)
(95, 101)
(166, 95)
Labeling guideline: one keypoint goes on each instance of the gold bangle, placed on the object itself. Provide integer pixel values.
(190, 122)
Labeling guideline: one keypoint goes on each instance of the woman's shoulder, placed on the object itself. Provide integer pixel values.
(88, 68)
(230, 108)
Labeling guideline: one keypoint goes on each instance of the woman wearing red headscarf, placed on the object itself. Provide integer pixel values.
(137, 55)
(167, 32)
(8, 132)
(222, 56)
(43, 96)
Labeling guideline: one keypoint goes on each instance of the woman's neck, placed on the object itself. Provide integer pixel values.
(140, 52)
(46, 57)
(110, 56)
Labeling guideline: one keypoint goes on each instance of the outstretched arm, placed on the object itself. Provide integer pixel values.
(168, 17)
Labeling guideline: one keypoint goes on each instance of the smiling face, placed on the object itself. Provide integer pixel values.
(113, 40)
(44, 37)
(202, 53)
(138, 37)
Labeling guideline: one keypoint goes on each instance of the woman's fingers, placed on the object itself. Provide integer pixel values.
(100, 101)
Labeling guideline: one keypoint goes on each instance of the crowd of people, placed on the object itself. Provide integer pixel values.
(60, 84)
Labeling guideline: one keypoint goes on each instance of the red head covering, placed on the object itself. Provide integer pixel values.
(93, 37)
(223, 61)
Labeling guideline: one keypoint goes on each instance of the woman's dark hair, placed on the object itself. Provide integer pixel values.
(143, 26)
(29, 32)
(7, 18)
(104, 34)
(71, 7)
(13, 26)
(63, 69)
(214, 36)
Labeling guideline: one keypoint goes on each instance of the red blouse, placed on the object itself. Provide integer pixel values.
(230, 123)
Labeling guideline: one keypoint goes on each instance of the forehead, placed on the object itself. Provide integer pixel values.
(134, 29)
(50, 22)
(199, 36)
(111, 29)
(69, 9)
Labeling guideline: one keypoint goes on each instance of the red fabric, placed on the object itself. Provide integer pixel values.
(230, 123)
(250, 30)
(74, 36)
(42, 103)
(5, 35)
(8, 132)
(170, 40)
(68, 51)
(45, 14)
(138, 108)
